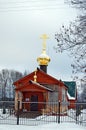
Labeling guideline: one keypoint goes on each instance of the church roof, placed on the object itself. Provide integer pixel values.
(31, 85)
(42, 78)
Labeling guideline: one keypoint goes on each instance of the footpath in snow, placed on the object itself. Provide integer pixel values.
(52, 126)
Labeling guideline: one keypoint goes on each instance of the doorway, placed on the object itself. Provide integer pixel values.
(34, 103)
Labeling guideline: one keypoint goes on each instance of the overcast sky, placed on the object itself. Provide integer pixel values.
(22, 22)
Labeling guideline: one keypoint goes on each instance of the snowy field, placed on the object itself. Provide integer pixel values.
(52, 126)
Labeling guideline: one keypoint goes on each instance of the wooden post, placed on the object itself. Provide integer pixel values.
(16, 100)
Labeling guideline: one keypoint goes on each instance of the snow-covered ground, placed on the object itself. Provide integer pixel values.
(44, 122)
(52, 126)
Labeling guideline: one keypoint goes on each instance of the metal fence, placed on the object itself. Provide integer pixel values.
(48, 112)
(7, 112)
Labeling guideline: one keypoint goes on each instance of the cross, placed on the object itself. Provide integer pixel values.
(44, 37)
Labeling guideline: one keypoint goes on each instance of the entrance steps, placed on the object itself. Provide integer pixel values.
(30, 114)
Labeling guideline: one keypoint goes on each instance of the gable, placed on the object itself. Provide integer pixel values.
(33, 86)
(42, 78)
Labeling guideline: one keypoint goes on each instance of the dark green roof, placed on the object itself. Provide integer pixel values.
(71, 87)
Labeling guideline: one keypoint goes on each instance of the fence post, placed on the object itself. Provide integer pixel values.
(4, 109)
(76, 112)
(56, 112)
(59, 112)
(18, 113)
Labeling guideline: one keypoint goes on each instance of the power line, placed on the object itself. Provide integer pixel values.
(28, 9)
(32, 8)
(28, 1)
(40, 5)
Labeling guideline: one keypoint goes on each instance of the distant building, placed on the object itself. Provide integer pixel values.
(71, 93)
(38, 88)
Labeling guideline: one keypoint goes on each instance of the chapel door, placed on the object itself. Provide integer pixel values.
(34, 103)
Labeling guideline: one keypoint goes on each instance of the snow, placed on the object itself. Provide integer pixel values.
(40, 122)
(52, 126)
(69, 97)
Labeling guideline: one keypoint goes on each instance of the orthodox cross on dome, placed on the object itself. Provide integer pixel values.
(44, 37)
(43, 59)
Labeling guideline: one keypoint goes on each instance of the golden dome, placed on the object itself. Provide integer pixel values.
(43, 59)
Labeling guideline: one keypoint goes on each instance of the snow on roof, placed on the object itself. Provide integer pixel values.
(69, 97)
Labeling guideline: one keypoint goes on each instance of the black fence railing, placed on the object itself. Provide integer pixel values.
(34, 113)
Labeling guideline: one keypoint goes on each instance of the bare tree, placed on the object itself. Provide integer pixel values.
(81, 4)
(73, 39)
(7, 77)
